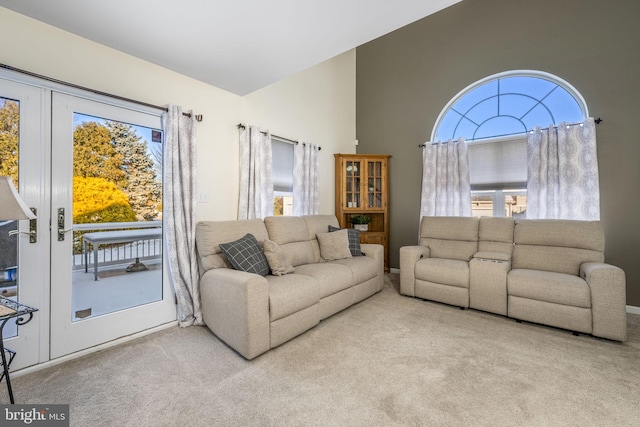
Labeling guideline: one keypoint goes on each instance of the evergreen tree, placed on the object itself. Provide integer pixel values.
(143, 186)
(9, 138)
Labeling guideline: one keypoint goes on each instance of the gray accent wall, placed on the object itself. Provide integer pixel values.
(404, 80)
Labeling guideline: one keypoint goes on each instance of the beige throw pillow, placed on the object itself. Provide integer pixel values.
(277, 259)
(334, 245)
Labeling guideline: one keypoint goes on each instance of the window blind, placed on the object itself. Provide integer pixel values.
(282, 157)
(496, 165)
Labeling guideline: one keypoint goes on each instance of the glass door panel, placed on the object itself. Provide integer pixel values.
(117, 216)
(352, 183)
(374, 184)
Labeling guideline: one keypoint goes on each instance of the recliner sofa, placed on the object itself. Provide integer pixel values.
(254, 313)
(551, 272)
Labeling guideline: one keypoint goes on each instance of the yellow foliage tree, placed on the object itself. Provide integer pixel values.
(98, 200)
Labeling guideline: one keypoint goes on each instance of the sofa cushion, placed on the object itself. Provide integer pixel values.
(291, 233)
(278, 261)
(362, 267)
(209, 235)
(559, 246)
(334, 245)
(495, 234)
(450, 237)
(354, 240)
(291, 293)
(245, 254)
(450, 272)
(558, 288)
(331, 277)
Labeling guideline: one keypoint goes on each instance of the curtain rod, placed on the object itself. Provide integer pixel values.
(198, 117)
(290, 141)
(596, 121)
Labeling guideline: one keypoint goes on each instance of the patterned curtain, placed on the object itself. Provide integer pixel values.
(306, 199)
(446, 190)
(179, 202)
(562, 170)
(256, 175)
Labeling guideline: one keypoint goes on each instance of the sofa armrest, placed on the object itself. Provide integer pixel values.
(608, 299)
(409, 256)
(376, 252)
(235, 306)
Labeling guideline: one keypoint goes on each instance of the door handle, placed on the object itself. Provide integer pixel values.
(61, 230)
(33, 227)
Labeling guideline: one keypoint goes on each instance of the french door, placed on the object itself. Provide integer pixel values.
(99, 159)
(24, 262)
(87, 294)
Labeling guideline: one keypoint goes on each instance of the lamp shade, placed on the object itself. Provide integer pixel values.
(12, 207)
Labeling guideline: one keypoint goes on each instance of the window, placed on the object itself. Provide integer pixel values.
(282, 157)
(494, 115)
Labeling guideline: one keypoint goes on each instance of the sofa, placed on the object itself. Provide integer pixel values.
(311, 276)
(551, 272)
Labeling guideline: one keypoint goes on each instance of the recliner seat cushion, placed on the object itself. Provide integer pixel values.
(291, 293)
(557, 288)
(330, 277)
(362, 267)
(444, 271)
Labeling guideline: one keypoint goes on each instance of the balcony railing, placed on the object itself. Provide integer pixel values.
(117, 253)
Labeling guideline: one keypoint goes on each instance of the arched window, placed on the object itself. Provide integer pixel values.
(494, 115)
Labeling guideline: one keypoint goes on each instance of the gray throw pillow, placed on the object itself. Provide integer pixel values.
(245, 254)
(354, 240)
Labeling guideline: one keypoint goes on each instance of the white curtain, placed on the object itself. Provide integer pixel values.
(446, 190)
(179, 202)
(306, 199)
(256, 174)
(562, 171)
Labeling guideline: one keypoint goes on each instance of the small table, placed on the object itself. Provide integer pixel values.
(110, 237)
(10, 309)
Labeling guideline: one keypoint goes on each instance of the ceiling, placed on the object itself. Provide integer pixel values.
(236, 45)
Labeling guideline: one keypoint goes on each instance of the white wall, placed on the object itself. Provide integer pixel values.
(317, 105)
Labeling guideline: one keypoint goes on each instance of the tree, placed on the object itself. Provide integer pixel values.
(99, 200)
(94, 156)
(9, 138)
(142, 187)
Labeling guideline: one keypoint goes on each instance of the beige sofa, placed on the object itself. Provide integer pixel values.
(544, 271)
(254, 313)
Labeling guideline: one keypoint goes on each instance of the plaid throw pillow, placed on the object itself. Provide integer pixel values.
(245, 254)
(354, 240)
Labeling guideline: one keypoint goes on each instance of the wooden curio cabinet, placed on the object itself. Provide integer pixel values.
(362, 188)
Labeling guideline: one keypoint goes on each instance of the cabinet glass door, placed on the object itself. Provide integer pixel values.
(374, 184)
(353, 172)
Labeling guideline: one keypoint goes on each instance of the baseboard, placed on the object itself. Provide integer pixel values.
(95, 349)
(632, 309)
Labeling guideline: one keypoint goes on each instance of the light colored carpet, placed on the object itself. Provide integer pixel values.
(388, 361)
